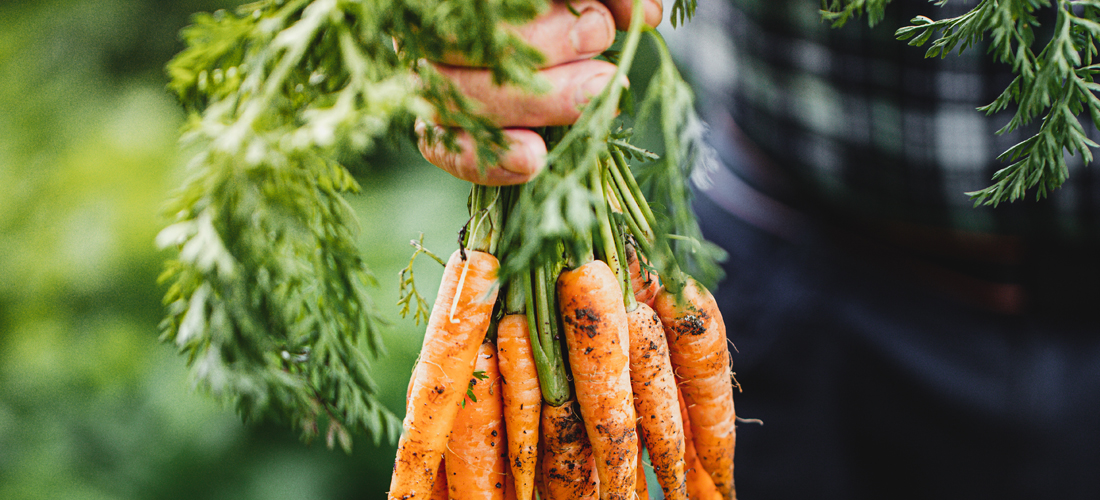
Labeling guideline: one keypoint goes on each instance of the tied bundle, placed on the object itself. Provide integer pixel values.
(605, 346)
(588, 356)
(568, 321)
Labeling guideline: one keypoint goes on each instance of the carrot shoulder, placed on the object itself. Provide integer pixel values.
(477, 458)
(456, 328)
(644, 284)
(522, 401)
(660, 422)
(567, 469)
(596, 333)
(700, 359)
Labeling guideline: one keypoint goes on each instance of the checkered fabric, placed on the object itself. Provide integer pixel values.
(865, 123)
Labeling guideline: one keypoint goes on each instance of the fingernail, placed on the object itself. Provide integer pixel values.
(592, 87)
(653, 12)
(592, 33)
(538, 160)
(523, 160)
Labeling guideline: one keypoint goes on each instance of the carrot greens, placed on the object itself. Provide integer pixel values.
(267, 294)
(1054, 84)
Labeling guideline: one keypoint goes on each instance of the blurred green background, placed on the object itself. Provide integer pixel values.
(92, 406)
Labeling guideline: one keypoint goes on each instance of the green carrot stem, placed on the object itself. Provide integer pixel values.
(483, 230)
(624, 269)
(631, 217)
(514, 298)
(581, 251)
(550, 281)
(632, 200)
(548, 359)
(542, 307)
(672, 278)
(632, 194)
(603, 215)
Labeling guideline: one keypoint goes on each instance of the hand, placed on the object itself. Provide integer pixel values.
(569, 43)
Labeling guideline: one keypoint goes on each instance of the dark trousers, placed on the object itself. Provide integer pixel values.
(870, 385)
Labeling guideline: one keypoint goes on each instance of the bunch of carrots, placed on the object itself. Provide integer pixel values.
(554, 382)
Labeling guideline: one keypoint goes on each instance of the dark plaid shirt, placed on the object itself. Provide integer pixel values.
(865, 123)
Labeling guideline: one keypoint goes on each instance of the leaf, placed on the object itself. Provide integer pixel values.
(267, 296)
(1049, 84)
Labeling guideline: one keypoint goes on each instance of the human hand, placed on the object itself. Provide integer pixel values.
(570, 43)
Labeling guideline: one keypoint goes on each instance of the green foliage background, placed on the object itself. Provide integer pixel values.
(92, 406)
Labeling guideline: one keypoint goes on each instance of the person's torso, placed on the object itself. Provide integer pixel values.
(866, 125)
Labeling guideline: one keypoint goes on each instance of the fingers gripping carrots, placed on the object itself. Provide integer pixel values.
(623, 365)
(654, 388)
(456, 328)
(597, 336)
(476, 453)
(699, 353)
(522, 401)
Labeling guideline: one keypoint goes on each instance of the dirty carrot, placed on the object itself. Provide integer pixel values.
(522, 400)
(510, 488)
(698, 483)
(700, 359)
(439, 489)
(477, 458)
(567, 468)
(660, 422)
(597, 335)
(456, 328)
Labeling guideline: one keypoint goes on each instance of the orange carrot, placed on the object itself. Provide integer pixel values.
(522, 400)
(439, 489)
(477, 459)
(456, 328)
(509, 488)
(566, 455)
(698, 483)
(596, 333)
(700, 360)
(660, 423)
(644, 284)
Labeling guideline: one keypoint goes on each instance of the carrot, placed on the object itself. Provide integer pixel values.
(477, 459)
(567, 468)
(641, 488)
(509, 488)
(439, 489)
(660, 423)
(698, 483)
(700, 360)
(456, 328)
(597, 336)
(522, 400)
(540, 483)
(644, 284)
